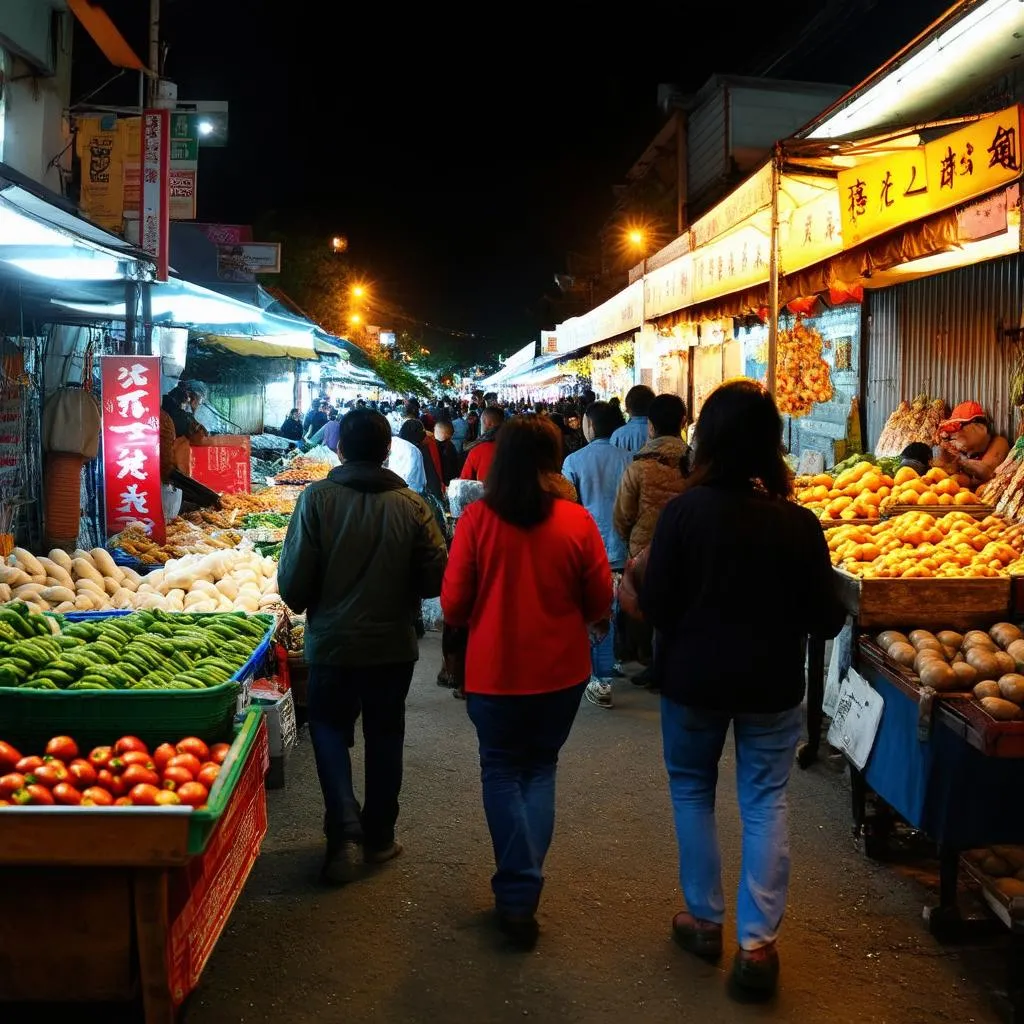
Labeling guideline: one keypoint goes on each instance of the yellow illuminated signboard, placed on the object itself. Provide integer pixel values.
(910, 184)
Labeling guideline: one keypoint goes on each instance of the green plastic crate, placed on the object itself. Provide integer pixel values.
(94, 717)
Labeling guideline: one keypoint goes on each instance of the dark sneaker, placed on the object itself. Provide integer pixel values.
(383, 855)
(443, 679)
(521, 930)
(757, 970)
(643, 678)
(342, 863)
(701, 938)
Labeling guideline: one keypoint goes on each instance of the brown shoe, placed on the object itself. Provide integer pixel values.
(382, 856)
(757, 970)
(702, 938)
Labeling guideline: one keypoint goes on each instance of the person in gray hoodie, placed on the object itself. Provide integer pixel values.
(361, 552)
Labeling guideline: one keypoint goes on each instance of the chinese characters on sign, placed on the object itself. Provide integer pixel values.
(154, 229)
(910, 184)
(131, 443)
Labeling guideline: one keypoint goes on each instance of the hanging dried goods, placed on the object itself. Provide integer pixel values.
(802, 376)
(912, 422)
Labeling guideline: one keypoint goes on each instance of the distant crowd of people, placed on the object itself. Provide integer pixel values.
(597, 537)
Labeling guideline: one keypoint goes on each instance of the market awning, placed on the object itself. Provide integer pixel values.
(105, 34)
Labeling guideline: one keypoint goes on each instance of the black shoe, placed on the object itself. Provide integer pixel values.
(644, 678)
(443, 678)
(342, 863)
(521, 930)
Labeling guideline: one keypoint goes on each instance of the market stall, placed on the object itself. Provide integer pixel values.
(132, 799)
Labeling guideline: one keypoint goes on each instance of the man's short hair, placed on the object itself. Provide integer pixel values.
(667, 414)
(365, 436)
(638, 400)
(493, 416)
(603, 418)
(412, 409)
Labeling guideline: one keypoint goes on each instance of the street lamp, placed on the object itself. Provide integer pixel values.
(355, 319)
(339, 243)
(637, 237)
(358, 291)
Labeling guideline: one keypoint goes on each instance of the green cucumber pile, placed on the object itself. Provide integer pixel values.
(146, 650)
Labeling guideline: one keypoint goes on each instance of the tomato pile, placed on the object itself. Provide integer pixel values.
(126, 774)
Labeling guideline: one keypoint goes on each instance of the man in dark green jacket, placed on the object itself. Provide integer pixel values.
(362, 551)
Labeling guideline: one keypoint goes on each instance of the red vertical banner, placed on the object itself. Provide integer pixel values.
(155, 213)
(131, 443)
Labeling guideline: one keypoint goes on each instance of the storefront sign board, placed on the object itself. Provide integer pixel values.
(131, 443)
(908, 185)
(753, 195)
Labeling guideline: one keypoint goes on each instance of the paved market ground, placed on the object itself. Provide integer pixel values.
(412, 942)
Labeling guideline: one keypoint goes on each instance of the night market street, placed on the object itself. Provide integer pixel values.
(413, 942)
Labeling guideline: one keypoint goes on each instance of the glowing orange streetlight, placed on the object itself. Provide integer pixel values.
(636, 238)
(358, 291)
(355, 318)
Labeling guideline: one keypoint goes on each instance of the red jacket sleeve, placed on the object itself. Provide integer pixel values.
(459, 588)
(597, 576)
(469, 467)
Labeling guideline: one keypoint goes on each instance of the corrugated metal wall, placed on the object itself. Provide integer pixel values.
(938, 336)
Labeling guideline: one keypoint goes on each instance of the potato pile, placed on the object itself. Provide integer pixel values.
(238, 579)
(988, 664)
(83, 581)
(919, 544)
(1003, 864)
(935, 489)
(857, 493)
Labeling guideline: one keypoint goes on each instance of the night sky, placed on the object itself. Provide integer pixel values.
(464, 154)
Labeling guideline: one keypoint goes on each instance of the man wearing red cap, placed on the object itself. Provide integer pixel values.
(970, 448)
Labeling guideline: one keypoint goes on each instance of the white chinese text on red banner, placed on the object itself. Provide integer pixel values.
(131, 443)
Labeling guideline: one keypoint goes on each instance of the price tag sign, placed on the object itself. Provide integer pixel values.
(856, 719)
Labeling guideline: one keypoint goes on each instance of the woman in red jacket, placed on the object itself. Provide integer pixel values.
(529, 576)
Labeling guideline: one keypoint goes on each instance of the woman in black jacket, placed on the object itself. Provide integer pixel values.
(737, 577)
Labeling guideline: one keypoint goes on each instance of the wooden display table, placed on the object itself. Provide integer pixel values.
(137, 914)
(902, 603)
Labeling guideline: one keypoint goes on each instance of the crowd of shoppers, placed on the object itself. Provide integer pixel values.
(573, 501)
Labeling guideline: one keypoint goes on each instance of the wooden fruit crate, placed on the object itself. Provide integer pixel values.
(924, 603)
(977, 511)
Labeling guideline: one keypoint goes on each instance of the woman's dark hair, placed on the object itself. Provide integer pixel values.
(528, 447)
(364, 436)
(413, 431)
(738, 441)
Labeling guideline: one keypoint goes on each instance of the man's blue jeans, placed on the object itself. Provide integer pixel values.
(693, 740)
(520, 737)
(602, 653)
(336, 698)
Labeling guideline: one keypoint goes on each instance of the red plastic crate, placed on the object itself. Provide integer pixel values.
(203, 893)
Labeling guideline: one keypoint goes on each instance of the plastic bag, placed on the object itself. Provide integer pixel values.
(462, 493)
(171, 500)
(433, 617)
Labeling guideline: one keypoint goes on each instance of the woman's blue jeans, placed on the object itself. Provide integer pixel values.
(693, 741)
(520, 737)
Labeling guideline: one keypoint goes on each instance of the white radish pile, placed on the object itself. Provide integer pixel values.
(220, 581)
(229, 580)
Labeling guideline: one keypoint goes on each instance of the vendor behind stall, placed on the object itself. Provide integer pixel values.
(970, 449)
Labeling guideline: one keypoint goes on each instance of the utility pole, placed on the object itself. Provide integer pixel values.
(154, 53)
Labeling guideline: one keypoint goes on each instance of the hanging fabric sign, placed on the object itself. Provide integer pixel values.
(131, 443)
